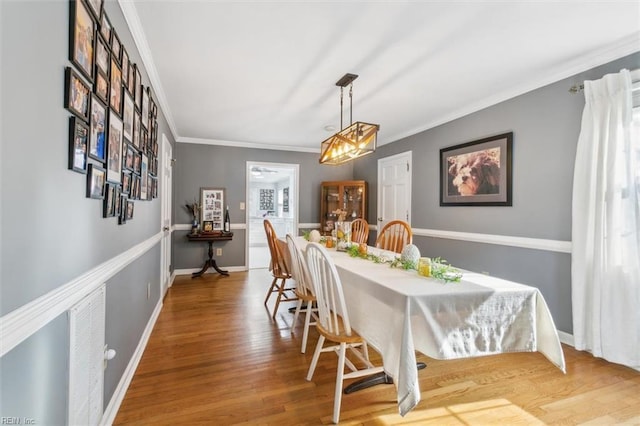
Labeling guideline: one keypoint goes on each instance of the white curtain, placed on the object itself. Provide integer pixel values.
(605, 270)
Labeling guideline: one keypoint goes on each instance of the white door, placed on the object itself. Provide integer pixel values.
(394, 189)
(165, 214)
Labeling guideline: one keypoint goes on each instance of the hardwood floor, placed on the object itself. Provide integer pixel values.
(216, 357)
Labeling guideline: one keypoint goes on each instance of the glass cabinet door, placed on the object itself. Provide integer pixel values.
(347, 196)
(352, 201)
(331, 201)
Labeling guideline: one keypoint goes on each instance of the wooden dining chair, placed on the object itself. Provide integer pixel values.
(333, 323)
(304, 290)
(359, 231)
(394, 236)
(279, 270)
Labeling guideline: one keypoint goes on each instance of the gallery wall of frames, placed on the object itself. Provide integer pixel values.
(113, 133)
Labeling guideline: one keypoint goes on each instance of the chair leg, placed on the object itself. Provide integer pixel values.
(307, 321)
(273, 283)
(337, 398)
(295, 315)
(314, 360)
(280, 294)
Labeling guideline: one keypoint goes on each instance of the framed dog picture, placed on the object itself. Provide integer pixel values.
(477, 173)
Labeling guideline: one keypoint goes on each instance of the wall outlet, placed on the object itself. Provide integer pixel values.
(148, 291)
(486, 273)
(241, 206)
(218, 252)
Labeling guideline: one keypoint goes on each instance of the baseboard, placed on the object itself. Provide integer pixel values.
(190, 271)
(111, 411)
(566, 338)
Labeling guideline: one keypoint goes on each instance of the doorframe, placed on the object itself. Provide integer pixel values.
(165, 214)
(296, 205)
(406, 156)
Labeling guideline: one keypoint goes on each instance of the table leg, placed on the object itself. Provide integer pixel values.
(375, 379)
(210, 263)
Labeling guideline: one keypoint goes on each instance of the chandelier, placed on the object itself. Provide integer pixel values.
(354, 141)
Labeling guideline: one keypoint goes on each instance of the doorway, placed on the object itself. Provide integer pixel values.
(165, 215)
(272, 193)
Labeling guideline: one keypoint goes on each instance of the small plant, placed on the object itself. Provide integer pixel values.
(442, 270)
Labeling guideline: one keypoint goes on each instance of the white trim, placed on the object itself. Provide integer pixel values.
(140, 39)
(566, 338)
(189, 271)
(505, 240)
(617, 50)
(308, 225)
(255, 145)
(19, 324)
(187, 226)
(111, 411)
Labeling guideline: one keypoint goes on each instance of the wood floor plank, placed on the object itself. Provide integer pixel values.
(216, 357)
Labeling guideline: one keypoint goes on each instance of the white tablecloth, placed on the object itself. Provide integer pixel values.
(399, 312)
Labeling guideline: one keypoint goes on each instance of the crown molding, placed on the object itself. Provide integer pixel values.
(617, 50)
(140, 39)
(247, 145)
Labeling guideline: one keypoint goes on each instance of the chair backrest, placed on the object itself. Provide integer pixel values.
(394, 236)
(359, 231)
(328, 289)
(278, 266)
(298, 265)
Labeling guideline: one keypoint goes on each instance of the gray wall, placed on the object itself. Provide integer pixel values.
(218, 166)
(51, 233)
(545, 125)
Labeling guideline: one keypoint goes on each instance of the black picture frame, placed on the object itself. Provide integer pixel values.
(96, 6)
(78, 139)
(115, 92)
(124, 61)
(116, 46)
(122, 216)
(145, 108)
(477, 173)
(101, 86)
(129, 212)
(109, 204)
(139, 89)
(103, 55)
(106, 27)
(77, 94)
(96, 180)
(136, 130)
(97, 148)
(82, 33)
(126, 182)
(128, 163)
(114, 148)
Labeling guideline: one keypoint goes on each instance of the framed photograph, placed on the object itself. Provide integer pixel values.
(114, 149)
(127, 116)
(207, 226)
(153, 184)
(138, 91)
(101, 86)
(134, 192)
(122, 210)
(103, 55)
(212, 207)
(116, 46)
(82, 33)
(129, 158)
(144, 169)
(116, 87)
(95, 6)
(108, 206)
(477, 173)
(78, 137)
(77, 94)
(136, 130)
(131, 84)
(129, 212)
(145, 108)
(105, 27)
(95, 181)
(126, 182)
(125, 68)
(98, 127)
(137, 159)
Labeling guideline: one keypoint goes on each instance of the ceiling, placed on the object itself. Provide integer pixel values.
(263, 73)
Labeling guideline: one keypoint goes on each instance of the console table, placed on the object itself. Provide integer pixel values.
(210, 239)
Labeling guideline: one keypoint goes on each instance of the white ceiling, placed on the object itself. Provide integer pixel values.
(263, 73)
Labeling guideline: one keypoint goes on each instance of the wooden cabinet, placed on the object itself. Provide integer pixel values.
(349, 195)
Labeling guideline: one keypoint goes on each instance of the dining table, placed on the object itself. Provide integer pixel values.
(400, 312)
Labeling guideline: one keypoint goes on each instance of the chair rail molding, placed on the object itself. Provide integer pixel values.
(19, 324)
